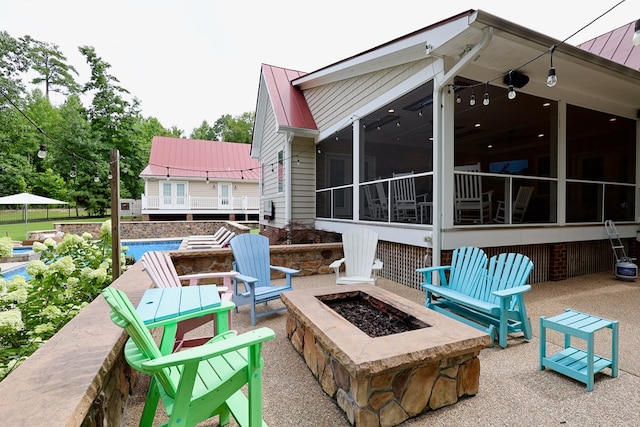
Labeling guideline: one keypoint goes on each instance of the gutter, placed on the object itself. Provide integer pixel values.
(438, 147)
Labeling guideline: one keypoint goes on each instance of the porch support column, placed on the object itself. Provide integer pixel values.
(358, 161)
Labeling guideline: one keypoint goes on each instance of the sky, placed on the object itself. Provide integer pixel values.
(194, 60)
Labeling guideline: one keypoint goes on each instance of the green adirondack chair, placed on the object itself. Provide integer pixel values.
(200, 382)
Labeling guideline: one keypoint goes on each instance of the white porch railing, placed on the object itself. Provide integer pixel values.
(240, 203)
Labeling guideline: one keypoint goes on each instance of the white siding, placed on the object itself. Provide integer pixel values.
(329, 104)
(303, 174)
(272, 142)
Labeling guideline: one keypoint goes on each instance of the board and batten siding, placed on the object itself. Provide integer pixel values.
(303, 177)
(272, 142)
(329, 105)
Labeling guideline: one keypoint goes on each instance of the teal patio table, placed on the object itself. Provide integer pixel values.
(574, 362)
(166, 307)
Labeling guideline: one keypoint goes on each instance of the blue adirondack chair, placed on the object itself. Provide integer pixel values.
(252, 262)
(200, 382)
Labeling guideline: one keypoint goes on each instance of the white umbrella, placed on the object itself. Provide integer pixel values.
(26, 199)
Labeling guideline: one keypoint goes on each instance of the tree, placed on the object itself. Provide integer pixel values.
(235, 129)
(205, 132)
(13, 63)
(50, 64)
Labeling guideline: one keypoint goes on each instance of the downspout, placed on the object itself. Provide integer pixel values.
(438, 147)
(287, 180)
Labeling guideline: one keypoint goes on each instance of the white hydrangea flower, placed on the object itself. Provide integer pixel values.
(36, 267)
(39, 247)
(11, 321)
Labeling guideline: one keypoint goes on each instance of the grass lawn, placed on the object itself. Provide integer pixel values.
(17, 231)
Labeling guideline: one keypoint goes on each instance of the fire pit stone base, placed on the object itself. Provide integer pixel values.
(384, 381)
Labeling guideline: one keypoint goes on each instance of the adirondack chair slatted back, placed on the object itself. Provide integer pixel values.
(359, 246)
(507, 270)
(124, 315)
(468, 267)
(251, 257)
(160, 269)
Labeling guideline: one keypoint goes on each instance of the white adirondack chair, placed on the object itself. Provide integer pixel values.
(361, 265)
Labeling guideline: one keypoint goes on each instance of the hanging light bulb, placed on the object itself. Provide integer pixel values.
(485, 99)
(636, 35)
(458, 99)
(512, 92)
(168, 173)
(552, 79)
(42, 152)
(74, 171)
(472, 100)
(96, 177)
(125, 169)
(207, 180)
(110, 176)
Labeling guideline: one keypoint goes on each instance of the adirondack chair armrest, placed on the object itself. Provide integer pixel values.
(195, 278)
(285, 270)
(211, 349)
(224, 306)
(246, 279)
(377, 265)
(439, 269)
(337, 263)
(512, 291)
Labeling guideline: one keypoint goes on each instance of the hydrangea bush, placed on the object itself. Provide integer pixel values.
(66, 278)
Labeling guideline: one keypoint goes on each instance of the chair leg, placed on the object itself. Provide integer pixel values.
(150, 405)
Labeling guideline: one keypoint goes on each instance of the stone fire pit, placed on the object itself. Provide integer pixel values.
(385, 380)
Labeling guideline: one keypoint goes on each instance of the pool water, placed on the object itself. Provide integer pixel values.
(136, 248)
(22, 249)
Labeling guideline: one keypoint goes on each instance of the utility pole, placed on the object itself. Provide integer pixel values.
(114, 170)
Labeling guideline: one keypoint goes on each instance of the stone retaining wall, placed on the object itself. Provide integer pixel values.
(156, 229)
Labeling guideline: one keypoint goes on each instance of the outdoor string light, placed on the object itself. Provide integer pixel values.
(552, 79)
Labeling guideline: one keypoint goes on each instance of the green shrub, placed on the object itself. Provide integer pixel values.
(66, 278)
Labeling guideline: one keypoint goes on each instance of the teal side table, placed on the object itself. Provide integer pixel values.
(573, 362)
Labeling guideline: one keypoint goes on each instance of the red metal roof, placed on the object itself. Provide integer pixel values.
(289, 105)
(616, 46)
(195, 158)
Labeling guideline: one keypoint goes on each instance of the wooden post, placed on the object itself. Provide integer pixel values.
(114, 170)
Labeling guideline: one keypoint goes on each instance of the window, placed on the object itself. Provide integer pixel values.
(173, 194)
(280, 171)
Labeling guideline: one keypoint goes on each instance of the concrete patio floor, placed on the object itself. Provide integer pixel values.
(513, 391)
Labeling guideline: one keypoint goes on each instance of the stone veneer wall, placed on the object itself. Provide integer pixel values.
(309, 259)
(391, 397)
(155, 229)
(79, 377)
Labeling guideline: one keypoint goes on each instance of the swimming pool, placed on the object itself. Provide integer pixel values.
(137, 248)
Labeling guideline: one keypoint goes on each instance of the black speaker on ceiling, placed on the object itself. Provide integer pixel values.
(515, 78)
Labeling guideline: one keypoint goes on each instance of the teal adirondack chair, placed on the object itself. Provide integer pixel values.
(506, 284)
(252, 262)
(200, 382)
(468, 268)
(485, 294)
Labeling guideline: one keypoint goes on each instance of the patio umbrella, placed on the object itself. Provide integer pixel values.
(27, 199)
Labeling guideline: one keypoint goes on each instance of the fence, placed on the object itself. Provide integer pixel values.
(14, 216)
